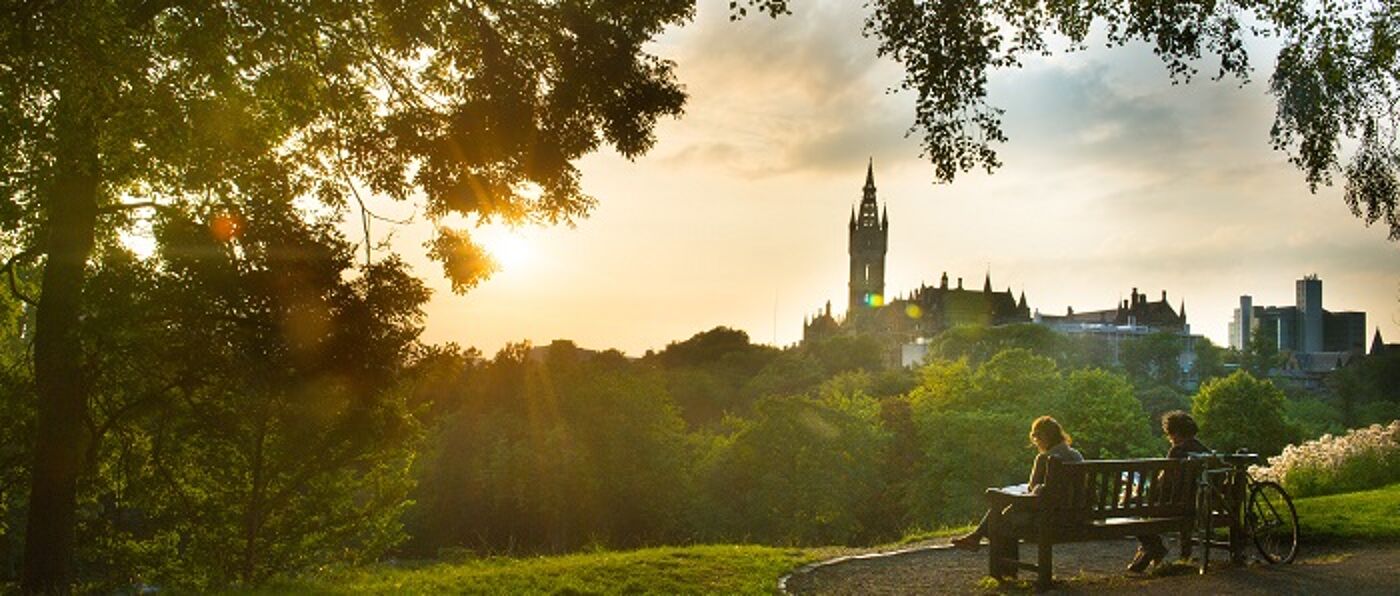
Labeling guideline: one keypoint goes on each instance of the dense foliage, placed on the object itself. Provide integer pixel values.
(209, 476)
(1242, 412)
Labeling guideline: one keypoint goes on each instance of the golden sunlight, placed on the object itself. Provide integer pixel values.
(508, 247)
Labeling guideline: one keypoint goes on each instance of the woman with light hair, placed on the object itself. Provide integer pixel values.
(1051, 440)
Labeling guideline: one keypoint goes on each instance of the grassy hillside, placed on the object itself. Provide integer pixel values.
(670, 570)
(1365, 515)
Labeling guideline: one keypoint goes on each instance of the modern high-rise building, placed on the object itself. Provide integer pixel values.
(1305, 327)
(1242, 324)
(1309, 301)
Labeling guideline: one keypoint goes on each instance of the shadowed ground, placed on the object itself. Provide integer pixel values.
(1097, 567)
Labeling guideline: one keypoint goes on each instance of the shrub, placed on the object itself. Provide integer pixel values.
(1242, 412)
(1361, 459)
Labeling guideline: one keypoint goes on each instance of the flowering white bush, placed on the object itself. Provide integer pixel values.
(1361, 459)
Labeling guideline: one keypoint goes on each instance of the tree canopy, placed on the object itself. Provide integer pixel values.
(123, 113)
(1336, 77)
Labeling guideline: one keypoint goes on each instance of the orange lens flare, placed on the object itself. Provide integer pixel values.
(225, 227)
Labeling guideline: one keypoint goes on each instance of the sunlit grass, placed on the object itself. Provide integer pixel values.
(1365, 515)
(720, 569)
(913, 536)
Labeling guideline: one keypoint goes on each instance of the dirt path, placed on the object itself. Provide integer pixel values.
(1097, 567)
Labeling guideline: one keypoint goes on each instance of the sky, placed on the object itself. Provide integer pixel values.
(1114, 179)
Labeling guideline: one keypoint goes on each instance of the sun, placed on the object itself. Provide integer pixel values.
(508, 247)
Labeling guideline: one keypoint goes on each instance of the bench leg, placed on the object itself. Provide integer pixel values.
(1003, 554)
(1045, 565)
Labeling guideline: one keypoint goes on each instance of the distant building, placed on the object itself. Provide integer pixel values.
(1136, 311)
(923, 313)
(1378, 346)
(1304, 327)
(1133, 318)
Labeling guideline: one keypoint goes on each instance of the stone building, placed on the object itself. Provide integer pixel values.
(922, 313)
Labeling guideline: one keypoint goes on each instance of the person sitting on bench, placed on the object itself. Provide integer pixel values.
(1180, 430)
(1051, 441)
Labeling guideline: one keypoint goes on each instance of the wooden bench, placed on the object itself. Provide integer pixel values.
(1095, 500)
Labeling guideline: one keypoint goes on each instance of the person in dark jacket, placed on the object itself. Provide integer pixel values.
(1180, 429)
(1050, 440)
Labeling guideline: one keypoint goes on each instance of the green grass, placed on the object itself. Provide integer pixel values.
(1365, 515)
(668, 570)
(913, 536)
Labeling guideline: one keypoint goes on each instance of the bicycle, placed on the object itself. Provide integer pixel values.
(1267, 517)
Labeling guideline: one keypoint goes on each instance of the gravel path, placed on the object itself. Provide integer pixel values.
(1097, 567)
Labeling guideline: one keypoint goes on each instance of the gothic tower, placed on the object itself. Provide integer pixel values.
(869, 235)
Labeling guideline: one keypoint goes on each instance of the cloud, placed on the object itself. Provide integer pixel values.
(805, 93)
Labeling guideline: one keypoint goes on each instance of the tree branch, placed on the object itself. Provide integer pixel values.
(120, 207)
(9, 271)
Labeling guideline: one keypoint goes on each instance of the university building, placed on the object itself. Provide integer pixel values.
(922, 313)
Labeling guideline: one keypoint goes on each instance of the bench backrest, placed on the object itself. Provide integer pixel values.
(1082, 492)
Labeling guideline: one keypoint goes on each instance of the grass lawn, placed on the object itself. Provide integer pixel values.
(1365, 515)
(668, 570)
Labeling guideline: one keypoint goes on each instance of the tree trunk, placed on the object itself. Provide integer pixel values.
(61, 434)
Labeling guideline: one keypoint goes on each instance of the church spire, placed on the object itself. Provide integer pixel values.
(1022, 304)
(1183, 310)
(870, 176)
(987, 285)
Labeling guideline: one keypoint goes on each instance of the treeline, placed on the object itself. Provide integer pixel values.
(271, 410)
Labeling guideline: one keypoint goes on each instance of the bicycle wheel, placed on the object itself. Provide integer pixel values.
(1273, 522)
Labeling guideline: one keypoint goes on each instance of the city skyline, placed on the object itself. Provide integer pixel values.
(1113, 179)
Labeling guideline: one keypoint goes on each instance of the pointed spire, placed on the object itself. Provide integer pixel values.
(987, 285)
(1377, 344)
(885, 217)
(1022, 304)
(1183, 310)
(870, 175)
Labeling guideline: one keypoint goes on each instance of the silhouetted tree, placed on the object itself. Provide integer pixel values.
(480, 108)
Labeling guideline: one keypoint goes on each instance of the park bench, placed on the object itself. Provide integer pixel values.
(1097, 500)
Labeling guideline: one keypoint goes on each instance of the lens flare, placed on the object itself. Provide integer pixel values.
(225, 227)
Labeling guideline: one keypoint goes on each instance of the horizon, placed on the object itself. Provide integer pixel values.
(1113, 178)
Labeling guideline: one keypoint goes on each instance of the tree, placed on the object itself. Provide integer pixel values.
(541, 454)
(110, 110)
(1335, 78)
(801, 471)
(1262, 355)
(1153, 359)
(972, 425)
(1210, 360)
(1160, 399)
(1103, 416)
(979, 343)
(1241, 411)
